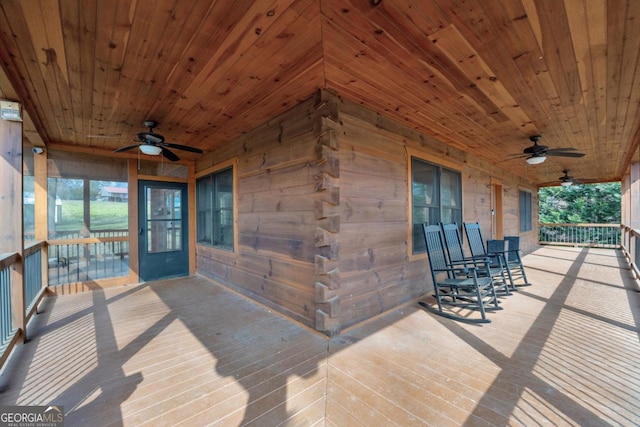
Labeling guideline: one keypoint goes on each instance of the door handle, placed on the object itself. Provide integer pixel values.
(141, 230)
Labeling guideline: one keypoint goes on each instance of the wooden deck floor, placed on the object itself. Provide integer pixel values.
(564, 351)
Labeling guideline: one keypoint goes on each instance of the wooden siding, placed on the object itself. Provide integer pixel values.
(377, 271)
(279, 168)
(323, 214)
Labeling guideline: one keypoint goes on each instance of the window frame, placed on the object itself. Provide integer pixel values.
(440, 165)
(526, 225)
(211, 172)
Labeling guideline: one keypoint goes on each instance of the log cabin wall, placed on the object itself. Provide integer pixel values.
(284, 177)
(377, 270)
(323, 212)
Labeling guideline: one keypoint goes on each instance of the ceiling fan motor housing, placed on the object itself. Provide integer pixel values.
(150, 137)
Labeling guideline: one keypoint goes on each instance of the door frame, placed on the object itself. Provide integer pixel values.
(164, 263)
(497, 218)
(133, 177)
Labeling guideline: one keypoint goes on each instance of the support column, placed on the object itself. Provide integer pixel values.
(134, 276)
(41, 208)
(11, 200)
(191, 185)
(634, 199)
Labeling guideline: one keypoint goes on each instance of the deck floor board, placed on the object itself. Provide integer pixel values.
(189, 352)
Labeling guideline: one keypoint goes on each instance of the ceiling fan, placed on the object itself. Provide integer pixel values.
(537, 154)
(153, 144)
(567, 179)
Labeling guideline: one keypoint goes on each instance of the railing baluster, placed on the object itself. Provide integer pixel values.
(6, 329)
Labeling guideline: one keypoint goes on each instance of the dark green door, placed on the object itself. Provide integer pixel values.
(163, 230)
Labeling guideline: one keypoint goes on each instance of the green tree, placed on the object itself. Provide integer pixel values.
(595, 203)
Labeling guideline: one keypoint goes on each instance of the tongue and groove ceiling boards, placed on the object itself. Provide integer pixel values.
(481, 76)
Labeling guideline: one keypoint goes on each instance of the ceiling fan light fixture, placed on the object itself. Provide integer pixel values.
(566, 183)
(151, 150)
(536, 160)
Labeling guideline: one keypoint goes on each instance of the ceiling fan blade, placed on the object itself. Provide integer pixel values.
(117, 135)
(563, 149)
(585, 180)
(169, 154)
(130, 147)
(563, 154)
(182, 147)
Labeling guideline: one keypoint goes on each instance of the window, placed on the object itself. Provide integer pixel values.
(87, 196)
(108, 206)
(88, 208)
(525, 211)
(214, 194)
(436, 197)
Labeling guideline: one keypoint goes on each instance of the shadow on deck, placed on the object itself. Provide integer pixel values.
(187, 351)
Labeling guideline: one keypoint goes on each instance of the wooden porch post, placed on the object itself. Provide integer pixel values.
(634, 199)
(41, 208)
(134, 265)
(191, 185)
(11, 200)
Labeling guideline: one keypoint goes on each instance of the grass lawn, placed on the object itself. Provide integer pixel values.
(104, 215)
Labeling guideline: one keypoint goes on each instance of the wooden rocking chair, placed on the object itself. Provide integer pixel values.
(489, 267)
(456, 285)
(497, 252)
(514, 261)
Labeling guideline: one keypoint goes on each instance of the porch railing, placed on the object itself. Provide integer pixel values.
(9, 321)
(23, 279)
(631, 248)
(33, 281)
(87, 259)
(21, 288)
(594, 235)
(7, 329)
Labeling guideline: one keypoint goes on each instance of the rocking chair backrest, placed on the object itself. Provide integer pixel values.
(514, 245)
(453, 242)
(474, 237)
(435, 248)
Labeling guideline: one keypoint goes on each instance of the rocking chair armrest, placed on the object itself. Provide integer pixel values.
(480, 258)
(506, 251)
(463, 261)
(494, 254)
(474, 260)
(463, 270)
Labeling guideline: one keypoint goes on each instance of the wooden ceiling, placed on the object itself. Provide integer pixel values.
(479, 75)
